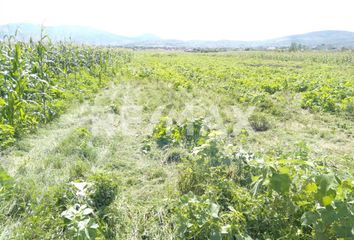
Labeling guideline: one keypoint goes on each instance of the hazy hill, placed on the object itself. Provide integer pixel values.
(89, 35)
(334, 38)
(77, 34)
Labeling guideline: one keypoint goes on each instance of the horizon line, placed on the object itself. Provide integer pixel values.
(170, 39)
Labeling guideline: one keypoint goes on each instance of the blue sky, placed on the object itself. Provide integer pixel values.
(188, 19)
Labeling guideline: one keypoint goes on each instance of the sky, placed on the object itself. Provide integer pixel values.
(187, 19)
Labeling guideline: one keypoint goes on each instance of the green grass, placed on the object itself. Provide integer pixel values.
(149, 183)
(81, 143)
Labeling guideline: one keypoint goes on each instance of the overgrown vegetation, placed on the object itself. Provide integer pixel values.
(229, 193)
(255, 145)
(39, 79)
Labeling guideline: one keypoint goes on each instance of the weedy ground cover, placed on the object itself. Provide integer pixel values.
(244, 145)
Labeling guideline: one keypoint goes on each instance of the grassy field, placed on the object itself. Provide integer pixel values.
(173, 145)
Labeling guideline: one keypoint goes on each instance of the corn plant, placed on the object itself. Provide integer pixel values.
(38, 77)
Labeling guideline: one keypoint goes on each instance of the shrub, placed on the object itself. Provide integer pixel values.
(201, 218)
(188, 134)
(104, 191)
(271, 87)
(259, 122)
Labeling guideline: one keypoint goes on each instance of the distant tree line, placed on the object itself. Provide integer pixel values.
(294, 47)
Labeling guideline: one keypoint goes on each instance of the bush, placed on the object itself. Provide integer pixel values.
(188, 134)
(259, 122)
(201, 218)
(271, 87)
(104, 192)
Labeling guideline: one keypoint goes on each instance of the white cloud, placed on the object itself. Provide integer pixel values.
(187, 19)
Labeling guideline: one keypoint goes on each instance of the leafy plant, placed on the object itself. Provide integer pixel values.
(79, 219)
(79, 222)
(168, 132)
(39, 79)
(7, 134)
(271, 198)
(104, 191)
(200, 218)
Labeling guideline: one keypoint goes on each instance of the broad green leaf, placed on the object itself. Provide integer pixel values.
(325, 182)
(325, 192)
(280, 183)
(311, 188)
(343, 210)
(327, 200)
(346, 232)
(309, 218)
(328, 215)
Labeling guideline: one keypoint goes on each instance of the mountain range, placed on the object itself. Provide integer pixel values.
(87, 35)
